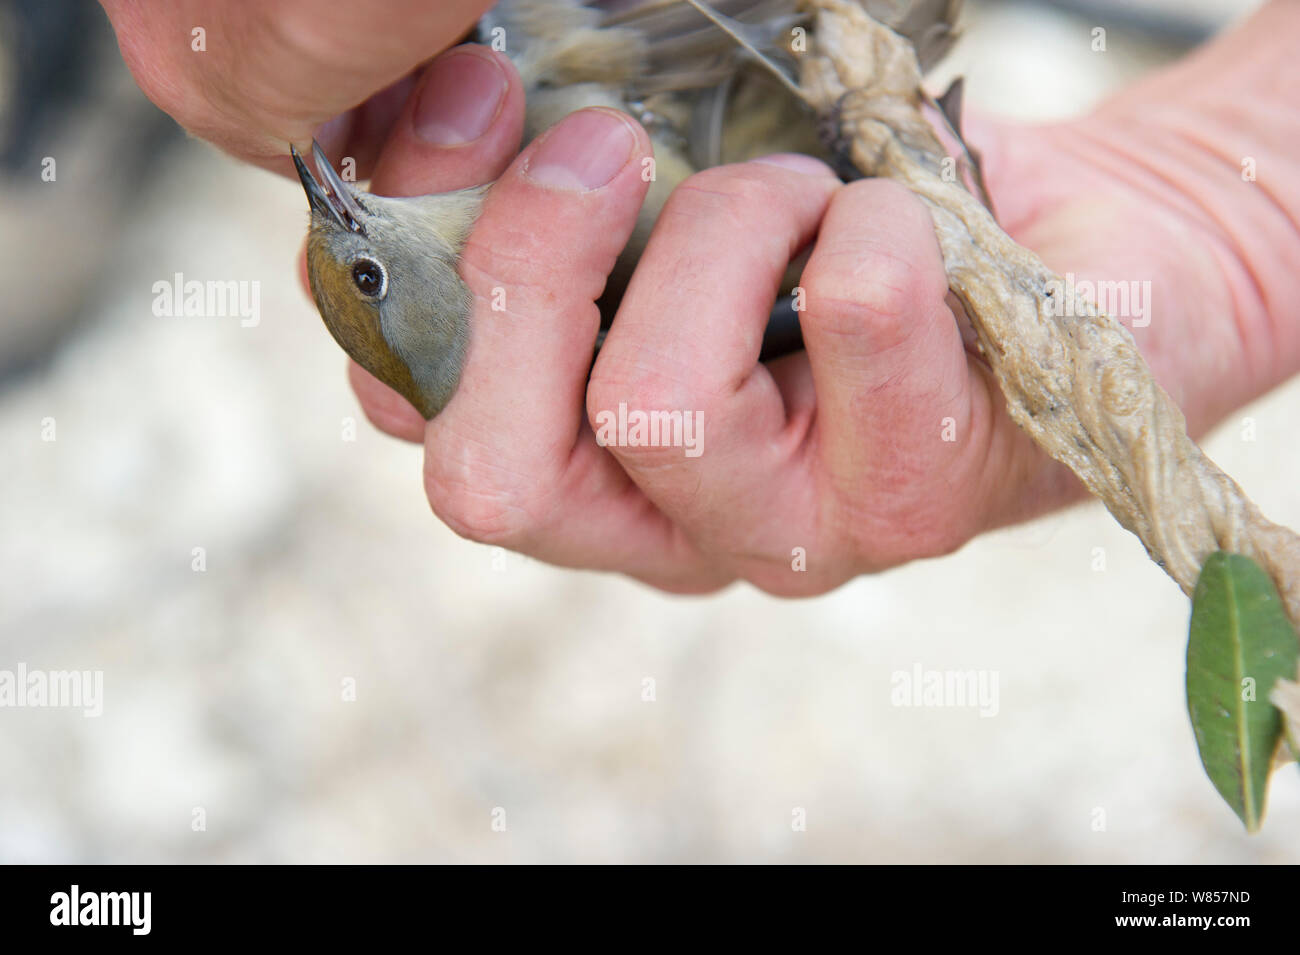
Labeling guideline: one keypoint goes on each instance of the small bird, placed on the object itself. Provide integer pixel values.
(711, 83)
(383, 272)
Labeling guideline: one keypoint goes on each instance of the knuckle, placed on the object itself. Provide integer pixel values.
(646, 418)
(782, 582)
(636, 387)
(898, 535)
(919, 540)
(480, 499)
(476, 513)
(856, 288)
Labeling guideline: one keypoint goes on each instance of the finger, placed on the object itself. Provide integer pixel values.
(252, 76)
(895, 394)
(536, 261)
(687, 338)
(461, 126)
(360, 133)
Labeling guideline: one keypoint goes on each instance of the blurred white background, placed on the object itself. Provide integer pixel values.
(485, 680)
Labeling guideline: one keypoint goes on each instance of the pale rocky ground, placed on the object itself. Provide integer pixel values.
(490, 681)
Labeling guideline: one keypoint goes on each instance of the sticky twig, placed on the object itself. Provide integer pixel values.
(1073, 376)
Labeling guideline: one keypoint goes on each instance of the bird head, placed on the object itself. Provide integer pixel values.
(383, 272)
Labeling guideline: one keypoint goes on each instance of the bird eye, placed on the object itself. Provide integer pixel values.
(369, 278)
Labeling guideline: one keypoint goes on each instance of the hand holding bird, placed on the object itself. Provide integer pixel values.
(840, 452)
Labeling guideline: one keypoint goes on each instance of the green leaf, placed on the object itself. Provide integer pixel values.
(1286, 697)
(1241, 642)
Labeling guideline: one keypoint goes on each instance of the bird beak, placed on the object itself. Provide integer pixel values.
(334, 199)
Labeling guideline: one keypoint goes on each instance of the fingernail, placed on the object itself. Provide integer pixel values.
(797, 162)
(585, 151)
(461, 96)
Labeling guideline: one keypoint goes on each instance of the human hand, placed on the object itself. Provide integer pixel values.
(841, 454)
(789, 457)
(885, 442)
(274, 73)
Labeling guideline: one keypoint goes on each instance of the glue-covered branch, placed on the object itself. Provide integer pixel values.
(1072, 376)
